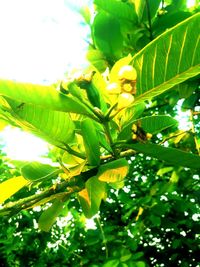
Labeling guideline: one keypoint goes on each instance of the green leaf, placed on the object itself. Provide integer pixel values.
(54, 126)
(109, 44)
(49, 216)
(35, 171)
(153, 125)
(111, 263)
(120, 10)
(164, 170)
(43, 96)
(168, 20)
(140, 264)
(141, 9)
(90, 198)
(97, 59)
(173, 156)
(168, 60)
(11, 186)
(190, 102)
(91, 142)
(137, 255)
(187, 88)
(114, 171)
(130, 114)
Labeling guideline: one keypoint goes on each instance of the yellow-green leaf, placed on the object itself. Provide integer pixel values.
(114, 171)
(11, 186)
(90, 198)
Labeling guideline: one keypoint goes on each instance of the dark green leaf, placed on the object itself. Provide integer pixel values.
(171, 155)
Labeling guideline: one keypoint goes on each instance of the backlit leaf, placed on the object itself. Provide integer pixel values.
(114, 171)
(11, 186)
(168, 60)
(54, 126)
(35, 171)
(42, 95)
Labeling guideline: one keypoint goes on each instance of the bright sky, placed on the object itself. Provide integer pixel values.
(40, 41)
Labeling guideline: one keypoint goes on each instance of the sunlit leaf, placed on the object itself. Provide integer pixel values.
(11, 186)
(43, 96)
(54, 126)
(36, 171)
(168, 60)
(114, 171)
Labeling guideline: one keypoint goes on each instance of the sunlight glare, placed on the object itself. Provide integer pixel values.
(40, 40)
(23, 146)
(190, 3)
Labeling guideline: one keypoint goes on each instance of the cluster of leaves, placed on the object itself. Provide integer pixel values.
(107, 128)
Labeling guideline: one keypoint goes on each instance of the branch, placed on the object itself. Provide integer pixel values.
(71, 186)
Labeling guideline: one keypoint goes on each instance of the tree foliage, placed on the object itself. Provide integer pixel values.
(116, 148)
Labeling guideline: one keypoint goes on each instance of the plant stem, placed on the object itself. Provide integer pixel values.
(103, 236)
(73, 152)
(149, 20)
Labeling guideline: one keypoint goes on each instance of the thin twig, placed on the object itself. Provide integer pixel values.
(103, 236)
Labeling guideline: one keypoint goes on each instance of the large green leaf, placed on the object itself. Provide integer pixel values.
(54, 126)
(36, 171)
(150, 124)
(171, 155)
(170, 59)
(43, 96)
(109, 44)
(118, 9)
(90, 198)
